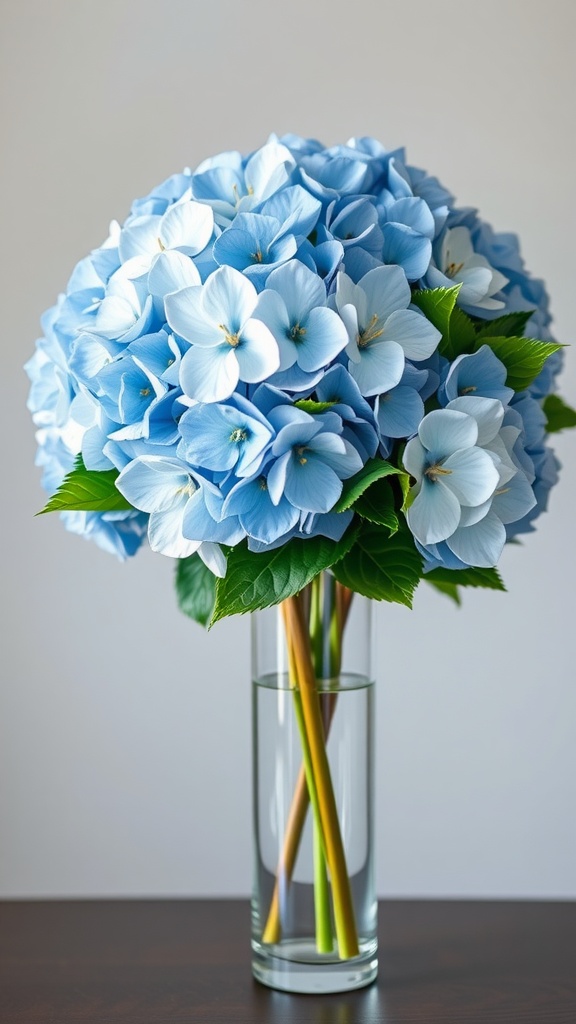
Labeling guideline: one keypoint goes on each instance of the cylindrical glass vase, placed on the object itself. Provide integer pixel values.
(314, 903)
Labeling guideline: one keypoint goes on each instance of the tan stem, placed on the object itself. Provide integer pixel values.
(346, 933)
(300, 800)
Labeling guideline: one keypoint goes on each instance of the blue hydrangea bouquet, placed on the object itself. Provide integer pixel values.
(306, 359)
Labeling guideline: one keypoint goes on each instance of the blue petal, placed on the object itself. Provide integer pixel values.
(480, 544)
(380, 367)
(325, 337)
(411, 250)
(311, 485)
(399, 412)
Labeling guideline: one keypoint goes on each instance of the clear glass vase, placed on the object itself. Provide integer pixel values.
(314, 903)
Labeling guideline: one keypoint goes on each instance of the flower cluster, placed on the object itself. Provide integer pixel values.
(262, 331)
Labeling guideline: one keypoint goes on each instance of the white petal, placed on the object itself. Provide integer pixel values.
(170, 272)
(386, 289)
(209, 374)
(417, 336)
(414, 458)
(229, 298)
(488, 413)
(379, 369)
(188, 226)
(434, 514)
(444, 431)
(165, 534)
(257, 354)
(186, 316)
(473, 476)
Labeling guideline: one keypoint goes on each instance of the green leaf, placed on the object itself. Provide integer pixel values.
(87, 490)
(377, 505)
(457, 329)
(507, 326)
(522, 357)
(381, 567)
(372, 470)
(559, 416)
(470, 577)
(260, 580)
(195, 589)
(311, 406)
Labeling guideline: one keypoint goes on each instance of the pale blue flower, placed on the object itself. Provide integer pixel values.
(407, 228)
(400, 410)
(127, 309)
(311, 459)
(221, 437)
(227, 342)
(457, 262)
(481, 374)
(294, 208)
(164, 488)
(254, 244)
(186, 227)
(452, 472)
(324, 259)
(231, 185)
(293, 306)
(489, 495)
(358, 419)
(262, 519)
(131, 389)
(382, 331)
(353, 221)
(332, 174)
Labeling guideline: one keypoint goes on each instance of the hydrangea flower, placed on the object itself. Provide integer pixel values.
(252, 337)
(382, 331)
(228, 342)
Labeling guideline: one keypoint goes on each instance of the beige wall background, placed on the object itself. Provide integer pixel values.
(124, 730)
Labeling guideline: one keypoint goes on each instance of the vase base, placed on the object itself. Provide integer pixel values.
(297, 967)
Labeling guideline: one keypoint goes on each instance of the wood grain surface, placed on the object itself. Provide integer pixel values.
(176, 961)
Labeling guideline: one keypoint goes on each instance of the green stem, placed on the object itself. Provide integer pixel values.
(324, 939)
(321, 891)
(299, 807)
(297, 630)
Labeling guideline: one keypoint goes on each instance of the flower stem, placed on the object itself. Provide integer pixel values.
(346, 933)
(300, 800)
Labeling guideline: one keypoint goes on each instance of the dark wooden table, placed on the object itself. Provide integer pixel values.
(169, 961)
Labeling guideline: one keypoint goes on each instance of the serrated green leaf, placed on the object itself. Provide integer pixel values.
(508, 326)
(559, 416)
(87, 490)
(456, 327)
(470, 577)
(377, 505)
(311, 406)
(195, 589)
(373, 469)
(381, 567)
(448, 589)
(264, 579)
(522, 357)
